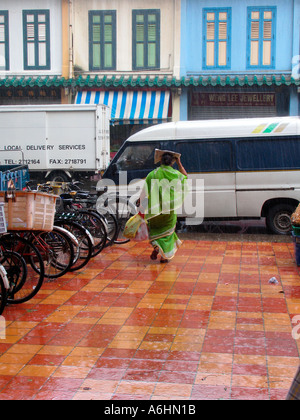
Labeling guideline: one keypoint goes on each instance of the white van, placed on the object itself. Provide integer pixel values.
(250, 167)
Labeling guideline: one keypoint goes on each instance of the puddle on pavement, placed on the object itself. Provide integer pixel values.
(245, 230)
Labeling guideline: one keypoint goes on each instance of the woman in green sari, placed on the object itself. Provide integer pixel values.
(165, 188)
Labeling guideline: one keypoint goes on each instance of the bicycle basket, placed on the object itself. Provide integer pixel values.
(29, 211)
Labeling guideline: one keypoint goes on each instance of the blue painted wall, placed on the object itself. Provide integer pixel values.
(287, 55)
(287, 34)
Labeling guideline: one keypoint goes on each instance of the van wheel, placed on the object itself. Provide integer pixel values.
(279, 219)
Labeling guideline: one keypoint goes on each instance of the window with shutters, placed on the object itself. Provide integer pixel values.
(217, 38)
(4, 41)
(146, 39)
(102, 40)
(261, 37)
(36, 29)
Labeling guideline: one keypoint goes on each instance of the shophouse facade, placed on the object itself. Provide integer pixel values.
(239, 58)
(127, 55)
(168, 60)
(34, 51)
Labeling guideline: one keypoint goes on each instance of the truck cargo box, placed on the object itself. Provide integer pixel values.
(55, 139)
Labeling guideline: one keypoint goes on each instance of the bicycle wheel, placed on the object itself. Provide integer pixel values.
(95, 224)
(56, 250)
(3, 293)
(24, 266)
(111, 224)
(82, 253)
(16, 269)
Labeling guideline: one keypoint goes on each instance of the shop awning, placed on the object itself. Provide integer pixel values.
(130, 107)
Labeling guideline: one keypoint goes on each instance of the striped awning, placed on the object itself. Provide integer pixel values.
(130, 107)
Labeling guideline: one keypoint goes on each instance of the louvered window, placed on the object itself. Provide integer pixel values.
(4, 44)
(146, 39)
(102, 40)
(36, 26)
(216, 47)
(261, 37)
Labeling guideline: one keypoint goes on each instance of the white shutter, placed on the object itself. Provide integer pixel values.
(2, 33)
(210, 54)
(42, 32)
(30, 32)
(223, 30)
(210, 31)
(222, 53)
(254, 30)
(267, 52)
(267, 30)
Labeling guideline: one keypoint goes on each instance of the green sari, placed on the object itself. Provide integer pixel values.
(166, 188)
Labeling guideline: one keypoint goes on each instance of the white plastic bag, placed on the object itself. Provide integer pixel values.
(142, 233)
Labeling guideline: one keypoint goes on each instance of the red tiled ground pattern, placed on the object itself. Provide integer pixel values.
(206, 326)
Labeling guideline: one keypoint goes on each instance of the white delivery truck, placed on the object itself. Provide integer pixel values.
(57, 142)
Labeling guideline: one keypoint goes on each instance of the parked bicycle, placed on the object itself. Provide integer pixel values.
(91, 222)
(81, 207)
(18, 261)
(82, 252)
(113, 207)
(76, 200)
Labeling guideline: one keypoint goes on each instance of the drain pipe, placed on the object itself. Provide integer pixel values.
(70, 39)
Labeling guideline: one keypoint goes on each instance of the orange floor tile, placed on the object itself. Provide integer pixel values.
(208, 325)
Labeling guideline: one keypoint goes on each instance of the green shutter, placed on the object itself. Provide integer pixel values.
(102, 40)
(146, 30)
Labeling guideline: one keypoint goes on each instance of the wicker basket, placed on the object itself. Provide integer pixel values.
(29, 211)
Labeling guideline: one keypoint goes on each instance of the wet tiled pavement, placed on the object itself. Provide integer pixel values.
(208, 325)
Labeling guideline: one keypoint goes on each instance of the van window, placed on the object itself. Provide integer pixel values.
(206, 156)
(137, 156)
(268, 154)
